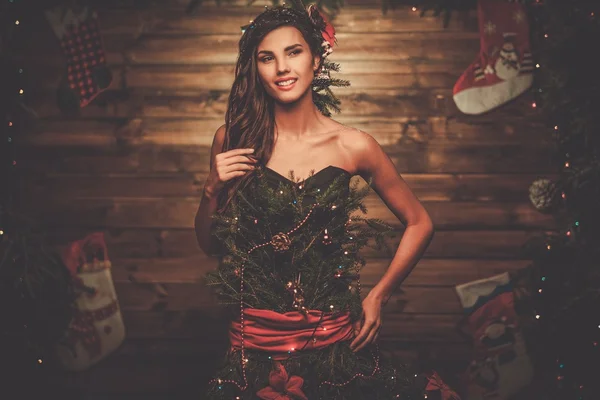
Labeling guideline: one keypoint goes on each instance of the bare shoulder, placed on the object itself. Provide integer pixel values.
(364, 150)
(220, 136)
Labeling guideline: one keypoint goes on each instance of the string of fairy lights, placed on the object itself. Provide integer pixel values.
(13, 16)
(567, 164)
(14, 93)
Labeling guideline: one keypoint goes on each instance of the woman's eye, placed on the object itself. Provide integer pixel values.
(265, 59)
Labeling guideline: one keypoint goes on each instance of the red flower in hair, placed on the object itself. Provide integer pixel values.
(329, 32)
(282, 388)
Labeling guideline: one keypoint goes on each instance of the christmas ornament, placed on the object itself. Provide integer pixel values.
(503, 68)
(281, 242)
(87, 74)
(543, 195)
(326, 238)
(296, 291)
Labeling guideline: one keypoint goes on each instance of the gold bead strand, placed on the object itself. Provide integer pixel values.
(243, 354)
(358, 374)
(305, 218)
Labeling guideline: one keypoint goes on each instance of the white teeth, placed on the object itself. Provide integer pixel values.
(285, 83)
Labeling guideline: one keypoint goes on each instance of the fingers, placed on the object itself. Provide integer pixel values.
(237, 160)
(367, 335)
(233, 163)
(242, 151)
(357, 327)
(358, 341)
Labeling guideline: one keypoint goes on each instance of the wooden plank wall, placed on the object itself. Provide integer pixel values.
(134, 162)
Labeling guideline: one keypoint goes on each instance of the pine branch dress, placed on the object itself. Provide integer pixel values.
(289, 274)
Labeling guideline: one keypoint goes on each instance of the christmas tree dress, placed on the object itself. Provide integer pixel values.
(289, 273)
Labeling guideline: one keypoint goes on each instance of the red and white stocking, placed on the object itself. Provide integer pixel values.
(87, 74)
(97, 328)
(501, 366)
(503, 68)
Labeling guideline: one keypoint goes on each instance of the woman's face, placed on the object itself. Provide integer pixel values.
(283, 53)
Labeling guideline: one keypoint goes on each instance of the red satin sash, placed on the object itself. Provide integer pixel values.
(277, 333)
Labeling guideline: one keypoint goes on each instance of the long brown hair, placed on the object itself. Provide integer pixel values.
(250, 119)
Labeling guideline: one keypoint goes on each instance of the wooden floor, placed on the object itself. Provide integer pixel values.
(134, 162)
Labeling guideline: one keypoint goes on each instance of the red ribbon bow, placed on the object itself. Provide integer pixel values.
(282, 388)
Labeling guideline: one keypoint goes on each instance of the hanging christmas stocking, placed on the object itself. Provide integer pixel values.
(96, 329)
(87, 74)
(501, 366)
(504, 67)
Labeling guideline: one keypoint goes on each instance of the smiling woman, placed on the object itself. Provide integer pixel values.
(294, 57)
(289, 256)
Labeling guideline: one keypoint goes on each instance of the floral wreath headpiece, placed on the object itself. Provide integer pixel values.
(318, 19)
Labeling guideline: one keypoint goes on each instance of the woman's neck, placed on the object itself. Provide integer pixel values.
(299, 119)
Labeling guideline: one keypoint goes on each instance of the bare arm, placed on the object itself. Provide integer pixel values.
(208, 204)
(224, 166)
(373, 162)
